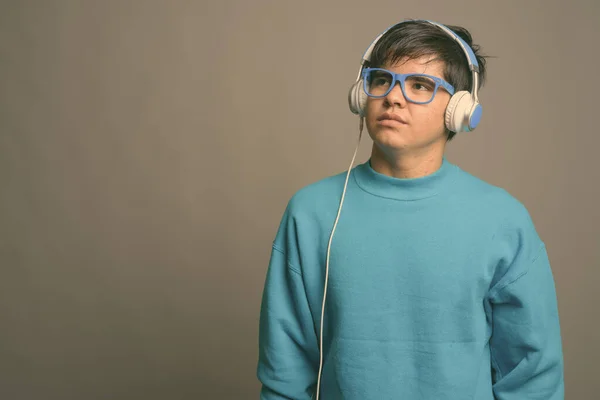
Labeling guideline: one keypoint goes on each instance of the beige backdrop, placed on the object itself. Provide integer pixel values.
(148, 149)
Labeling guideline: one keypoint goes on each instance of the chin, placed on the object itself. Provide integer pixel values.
(392, 138)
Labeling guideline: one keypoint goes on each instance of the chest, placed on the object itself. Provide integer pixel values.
(396, 269)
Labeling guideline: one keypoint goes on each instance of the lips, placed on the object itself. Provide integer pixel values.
(391, 117)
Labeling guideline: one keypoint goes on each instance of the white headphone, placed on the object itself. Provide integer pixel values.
(463, 112)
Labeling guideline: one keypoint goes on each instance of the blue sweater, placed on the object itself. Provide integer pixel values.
(439, 288)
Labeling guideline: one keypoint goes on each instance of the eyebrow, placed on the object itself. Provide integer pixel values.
(421, 78)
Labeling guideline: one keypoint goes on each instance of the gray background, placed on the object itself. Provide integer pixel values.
(148, 149)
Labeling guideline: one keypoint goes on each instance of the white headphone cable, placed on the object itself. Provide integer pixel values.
(361, 124)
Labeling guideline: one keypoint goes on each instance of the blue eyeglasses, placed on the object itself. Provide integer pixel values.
(416, 88)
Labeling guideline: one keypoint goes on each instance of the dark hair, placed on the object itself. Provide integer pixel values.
(414, 39)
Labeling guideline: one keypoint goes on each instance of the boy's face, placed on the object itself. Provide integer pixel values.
(422, 126)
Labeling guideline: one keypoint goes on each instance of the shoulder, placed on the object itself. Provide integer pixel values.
(317, 195)
(314, 201)
(497, 198)
(310, 210)
(502, 208)
(514, 242)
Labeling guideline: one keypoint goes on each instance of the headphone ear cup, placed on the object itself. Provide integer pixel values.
(362, 101)
(357, 98)
(460, 104)
(475, 115)
(352, 101)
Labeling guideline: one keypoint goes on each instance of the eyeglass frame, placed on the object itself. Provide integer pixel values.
(401, 78)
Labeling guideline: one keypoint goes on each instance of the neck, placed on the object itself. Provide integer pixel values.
(406, 165)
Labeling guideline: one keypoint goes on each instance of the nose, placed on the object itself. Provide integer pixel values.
(396, 97)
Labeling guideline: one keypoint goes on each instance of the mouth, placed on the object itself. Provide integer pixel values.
(388, 118)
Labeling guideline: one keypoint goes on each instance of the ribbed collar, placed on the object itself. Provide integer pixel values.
(381, 185)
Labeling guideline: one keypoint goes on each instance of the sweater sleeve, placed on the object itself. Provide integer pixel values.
(288, 346)
(526, 350)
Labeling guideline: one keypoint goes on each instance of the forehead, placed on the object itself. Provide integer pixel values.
(422, 65)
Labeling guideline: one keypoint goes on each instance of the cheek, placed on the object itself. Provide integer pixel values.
(436, 116)
(372, 111)
(371, 106)
(432, 117)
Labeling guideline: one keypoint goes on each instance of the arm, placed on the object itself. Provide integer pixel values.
(526, 347)
(288, 347)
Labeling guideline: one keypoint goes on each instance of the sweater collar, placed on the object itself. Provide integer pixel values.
(382, 185)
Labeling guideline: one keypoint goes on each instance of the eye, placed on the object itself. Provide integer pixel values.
(421, 83)
(380, 78)
(380, 81)
(420, 86)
